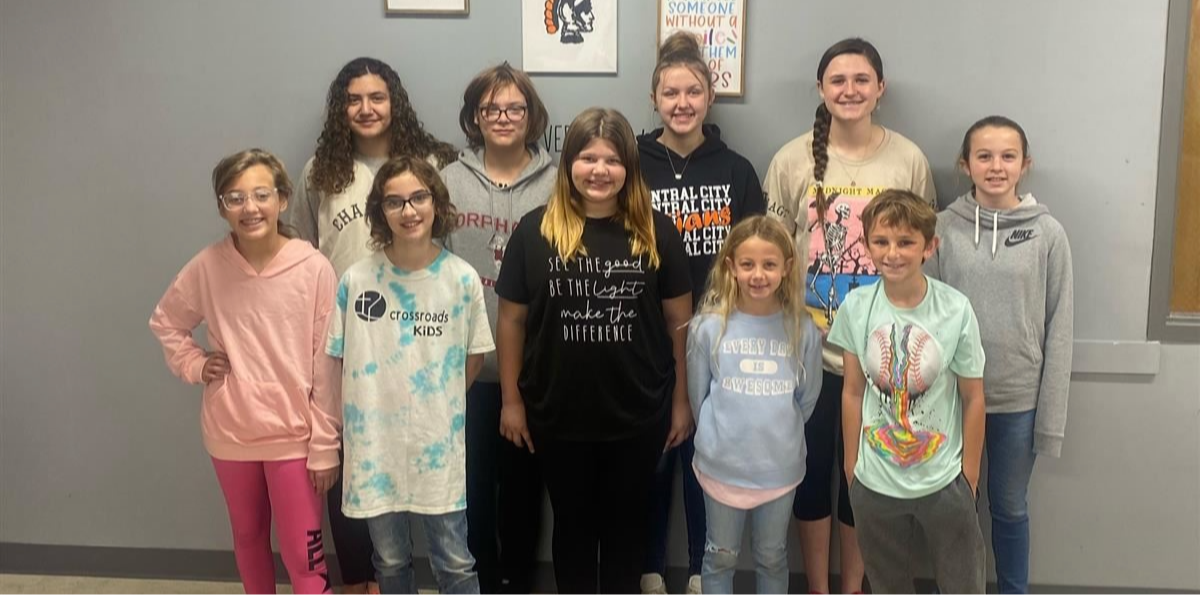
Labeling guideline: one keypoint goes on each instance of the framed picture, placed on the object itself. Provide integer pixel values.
(569, 36)
(721, 27)
(427, 6)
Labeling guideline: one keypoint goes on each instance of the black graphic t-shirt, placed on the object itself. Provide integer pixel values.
(705, 194)
(597, 361)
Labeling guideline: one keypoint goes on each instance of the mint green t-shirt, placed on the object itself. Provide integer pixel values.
(911, 441)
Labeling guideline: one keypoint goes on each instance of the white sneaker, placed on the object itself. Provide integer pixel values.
(694, 585)
(653, 584)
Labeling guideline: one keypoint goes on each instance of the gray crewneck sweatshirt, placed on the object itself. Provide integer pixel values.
(1015, 266)
(487, 215)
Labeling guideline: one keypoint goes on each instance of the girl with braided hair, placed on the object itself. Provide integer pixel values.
(818, 185)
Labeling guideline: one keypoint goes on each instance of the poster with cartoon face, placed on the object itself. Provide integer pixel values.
(569, 35)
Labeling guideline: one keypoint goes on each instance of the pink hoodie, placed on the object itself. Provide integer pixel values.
(281, 399)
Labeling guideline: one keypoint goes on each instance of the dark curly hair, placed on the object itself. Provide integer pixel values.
(445, 216)
(333, 167)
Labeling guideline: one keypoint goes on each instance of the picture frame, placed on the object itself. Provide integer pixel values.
(427, 7)
(569, 36)
(721, 27)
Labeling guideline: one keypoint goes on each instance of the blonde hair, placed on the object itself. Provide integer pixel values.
(232, 166)
(563, 222)
(721, 293)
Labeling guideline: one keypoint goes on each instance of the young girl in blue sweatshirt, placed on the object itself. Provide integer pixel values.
(754, 374)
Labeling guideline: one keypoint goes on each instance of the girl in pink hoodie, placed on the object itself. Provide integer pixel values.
(271, 413)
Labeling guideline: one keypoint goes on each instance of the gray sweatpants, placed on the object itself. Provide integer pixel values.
(948, 519)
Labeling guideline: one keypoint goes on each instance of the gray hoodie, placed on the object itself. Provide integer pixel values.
(1015, 266)
(487, 215)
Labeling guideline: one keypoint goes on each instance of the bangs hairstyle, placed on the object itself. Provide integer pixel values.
(445, 216)
(900, 208)
(563, 222)
(722, 292)
(483, 88)
(681, 49)
(230, 168)
(823, 119)
(333, 167)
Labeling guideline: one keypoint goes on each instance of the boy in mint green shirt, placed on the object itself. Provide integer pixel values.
(912, 406)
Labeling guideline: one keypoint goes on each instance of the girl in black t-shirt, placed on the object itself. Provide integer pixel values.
(595, 293)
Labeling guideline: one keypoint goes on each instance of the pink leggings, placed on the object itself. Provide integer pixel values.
(253, 491)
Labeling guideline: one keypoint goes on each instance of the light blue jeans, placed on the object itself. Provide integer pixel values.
(1010, 457)
(452, 562)
(769, 525)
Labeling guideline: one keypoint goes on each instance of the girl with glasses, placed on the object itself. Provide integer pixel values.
(270, 415)
(411, 330)
(502, 175)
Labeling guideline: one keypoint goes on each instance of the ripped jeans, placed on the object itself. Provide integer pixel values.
(769, 527)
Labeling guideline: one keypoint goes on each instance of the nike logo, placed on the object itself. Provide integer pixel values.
(1019, 236)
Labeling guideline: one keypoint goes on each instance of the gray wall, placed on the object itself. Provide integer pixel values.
(113, 113)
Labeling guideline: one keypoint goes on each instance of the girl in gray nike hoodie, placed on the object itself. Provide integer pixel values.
(1012, 259)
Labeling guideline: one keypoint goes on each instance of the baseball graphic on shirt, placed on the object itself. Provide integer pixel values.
(902, 362)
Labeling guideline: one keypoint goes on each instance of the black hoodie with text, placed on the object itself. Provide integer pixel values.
(704, 194)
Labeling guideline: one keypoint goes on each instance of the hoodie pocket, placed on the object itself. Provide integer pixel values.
(252, 413)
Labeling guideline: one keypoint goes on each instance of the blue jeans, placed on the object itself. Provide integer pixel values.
(1010, 457)
(660, 509)
(448, 554)
(769, 526)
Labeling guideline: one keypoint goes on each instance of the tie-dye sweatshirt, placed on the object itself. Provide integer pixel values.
(280, 400)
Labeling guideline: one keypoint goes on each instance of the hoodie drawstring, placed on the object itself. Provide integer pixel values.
(995, 229)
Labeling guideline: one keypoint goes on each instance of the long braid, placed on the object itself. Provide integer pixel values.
(820, 156)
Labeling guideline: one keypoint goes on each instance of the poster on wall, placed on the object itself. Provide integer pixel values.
(427, 6)
(720, 26)
(569, 36)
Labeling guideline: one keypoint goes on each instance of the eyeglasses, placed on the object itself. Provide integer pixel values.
(492, 113)
(236, 200)
(396, 204)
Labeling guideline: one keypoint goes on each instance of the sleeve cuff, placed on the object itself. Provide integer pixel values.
(1045, 444)
(320, 460)
(195, 372)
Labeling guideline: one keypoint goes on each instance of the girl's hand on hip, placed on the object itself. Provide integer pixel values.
(215, 367)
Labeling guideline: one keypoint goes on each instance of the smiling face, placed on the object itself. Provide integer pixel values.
(408, 207)
(995, 162)
(368, 107)
(256, 217)
(682, 100)
(850, 87)
(598, 175)
(898, 251)
(759, 267)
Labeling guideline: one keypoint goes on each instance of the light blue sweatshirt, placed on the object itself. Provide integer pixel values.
(751, 395)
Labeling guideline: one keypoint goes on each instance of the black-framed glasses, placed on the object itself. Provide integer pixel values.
(237, 200)
(396, 204)
(492, 113)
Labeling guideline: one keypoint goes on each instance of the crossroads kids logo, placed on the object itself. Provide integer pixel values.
(371, 306)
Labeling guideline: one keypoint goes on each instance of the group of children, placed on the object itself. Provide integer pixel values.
(504, 324)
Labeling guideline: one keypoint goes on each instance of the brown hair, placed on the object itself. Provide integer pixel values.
(445, 216)
(484, 87)
(823, 119)
(896, 208)
(562, 225)
(333, 167)
(681, 49)
(232, 166)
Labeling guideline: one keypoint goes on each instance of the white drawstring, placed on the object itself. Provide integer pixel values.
(995, 221)
(976, 226)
